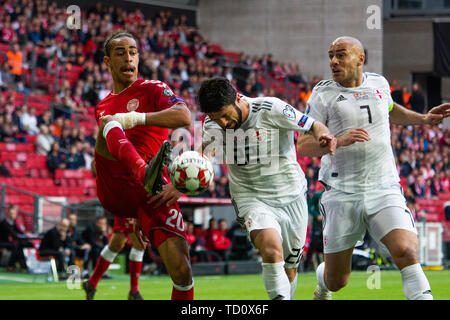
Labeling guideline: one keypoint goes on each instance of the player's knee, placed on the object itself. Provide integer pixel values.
(272, 254)
(182, 275)
(117, 242)
(105, 120)
(404, 251)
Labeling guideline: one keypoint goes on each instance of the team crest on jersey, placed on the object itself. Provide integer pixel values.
(132, 105)
(361, 96)
(289, 112)
(168, 92)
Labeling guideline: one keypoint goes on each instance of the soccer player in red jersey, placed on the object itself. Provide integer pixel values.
(123, 230)
(133, 129)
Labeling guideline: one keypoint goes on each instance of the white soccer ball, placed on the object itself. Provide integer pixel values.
(191, 173)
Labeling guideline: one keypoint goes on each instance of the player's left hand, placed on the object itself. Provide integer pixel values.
(140, 236)
(169, 195)
(437, 114)
(330, 141)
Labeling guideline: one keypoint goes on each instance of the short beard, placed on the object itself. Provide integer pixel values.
(239, 112)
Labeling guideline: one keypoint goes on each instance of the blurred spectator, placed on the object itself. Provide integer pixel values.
(315, 250)
(55, 158)
(96, 235)
(80, 249)
(417, 100)
(222, 189)
(56, 244)
(44, 140)
(29, 121)
(15, 62)
(10, 230)
(74, 159)
(5, 77)
(221, 242)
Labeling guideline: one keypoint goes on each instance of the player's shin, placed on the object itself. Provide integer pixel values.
(294, 287)
(122, 149)
(183, 292)
(106, 258)
(276, 281)
(135, 265)
(415, 283)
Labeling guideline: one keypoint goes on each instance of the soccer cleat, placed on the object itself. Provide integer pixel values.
(153, 182)
(321, 294)
(135, 296)
(90, 292)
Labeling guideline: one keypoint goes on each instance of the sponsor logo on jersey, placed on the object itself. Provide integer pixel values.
(174, 100)
(302, 121)
(132, 105)
(168, 92)
(289, 112)
(361, 96)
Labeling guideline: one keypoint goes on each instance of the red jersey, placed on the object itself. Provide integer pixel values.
(142, 96)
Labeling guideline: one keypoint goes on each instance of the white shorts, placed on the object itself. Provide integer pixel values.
(346, 217)
(290, 221)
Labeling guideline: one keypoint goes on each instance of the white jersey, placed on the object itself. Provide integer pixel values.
(361, 166)
(261, 155)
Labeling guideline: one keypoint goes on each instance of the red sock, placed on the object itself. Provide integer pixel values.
(100, 269)
(123, 150)
(135, 271)
(182, 295)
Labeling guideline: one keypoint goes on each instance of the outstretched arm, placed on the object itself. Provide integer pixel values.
(307, 146)
(402, 116)
(320, 142)
(176, 116)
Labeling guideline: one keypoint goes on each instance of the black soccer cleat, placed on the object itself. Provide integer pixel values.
(135, 296)
(153, 182)
(90, 292)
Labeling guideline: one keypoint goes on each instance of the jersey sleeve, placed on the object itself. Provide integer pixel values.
(284, 116)
(164, 97)
(210, 133)
(387, 90)
(315, 107)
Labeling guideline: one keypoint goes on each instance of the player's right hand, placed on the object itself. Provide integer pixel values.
(352, 136)
(169, 196)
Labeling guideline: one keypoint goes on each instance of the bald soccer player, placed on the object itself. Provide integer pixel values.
(362, 189)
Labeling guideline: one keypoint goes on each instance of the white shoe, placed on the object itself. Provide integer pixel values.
(321, 294)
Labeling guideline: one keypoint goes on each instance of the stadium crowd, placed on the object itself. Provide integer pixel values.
(35, 33)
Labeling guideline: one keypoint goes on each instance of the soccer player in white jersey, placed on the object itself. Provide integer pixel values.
(268, 188)
(361, 180)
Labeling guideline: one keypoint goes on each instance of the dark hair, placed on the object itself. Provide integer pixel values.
(214, 94)
(115, 35)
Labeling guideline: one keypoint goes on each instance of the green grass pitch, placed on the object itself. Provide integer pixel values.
(227, 287)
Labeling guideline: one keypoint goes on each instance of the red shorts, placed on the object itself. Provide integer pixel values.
(124, 225)
(124, 197)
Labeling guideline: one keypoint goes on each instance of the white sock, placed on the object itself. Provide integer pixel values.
(136, 255)
(294, 287)
(276, 281)
(183, 288)
(130, 119)
(109, 126)
(108, 255)
(320, 276)
(415, 283)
